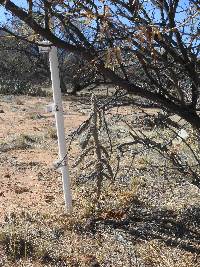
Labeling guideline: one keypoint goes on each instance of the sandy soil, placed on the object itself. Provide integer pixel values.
(29, 182)
(28, 179)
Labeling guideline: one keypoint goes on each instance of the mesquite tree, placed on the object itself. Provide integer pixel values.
(21, 67)
(149, 48)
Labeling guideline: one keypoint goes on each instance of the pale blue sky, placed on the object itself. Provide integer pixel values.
(2, 10)
(2, 16)
(23, 3)
(179, 17)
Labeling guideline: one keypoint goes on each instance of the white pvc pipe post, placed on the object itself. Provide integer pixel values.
(58, 109)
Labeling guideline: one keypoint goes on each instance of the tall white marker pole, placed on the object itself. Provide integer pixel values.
(58, 109)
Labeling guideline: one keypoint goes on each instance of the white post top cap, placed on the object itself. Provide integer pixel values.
(44, 46)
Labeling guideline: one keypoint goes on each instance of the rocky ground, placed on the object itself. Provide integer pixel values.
(150, 215)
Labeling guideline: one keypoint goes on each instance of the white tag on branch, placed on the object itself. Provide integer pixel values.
(182, 134)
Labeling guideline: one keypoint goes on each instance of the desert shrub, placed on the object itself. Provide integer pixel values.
(156, 148)
(14, 238)
(20, 87)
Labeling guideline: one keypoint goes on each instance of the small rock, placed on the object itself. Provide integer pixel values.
(40, 176)
(33, 163)
(2, 111)
(20, 190)
(91, 261)
(49, 199)
(19, 102)
(14, 109)
(7, 175)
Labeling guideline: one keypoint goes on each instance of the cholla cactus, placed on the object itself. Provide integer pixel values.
(92, 145)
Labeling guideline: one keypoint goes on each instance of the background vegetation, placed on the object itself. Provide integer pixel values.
(134, 68)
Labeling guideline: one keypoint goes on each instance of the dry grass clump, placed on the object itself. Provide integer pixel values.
(19, 142)
(92, 236)
(155, 254)
(28, 237)
(51, 133)
(51, 240)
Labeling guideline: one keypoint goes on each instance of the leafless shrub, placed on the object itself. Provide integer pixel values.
(94, 148)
